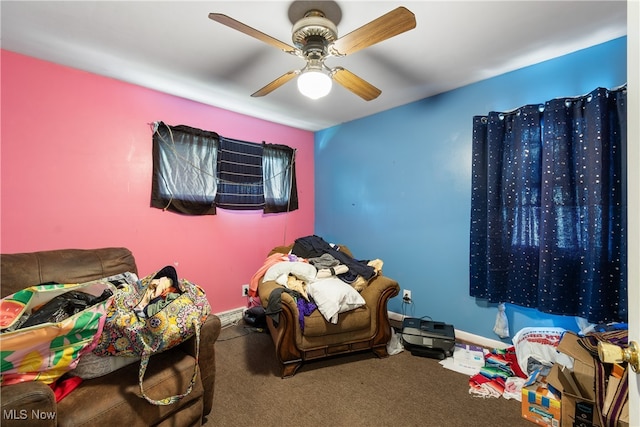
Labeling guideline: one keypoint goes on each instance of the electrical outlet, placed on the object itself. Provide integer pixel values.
(406, 295)
(245, 290)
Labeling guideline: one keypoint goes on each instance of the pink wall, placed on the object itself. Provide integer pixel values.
(76, 173)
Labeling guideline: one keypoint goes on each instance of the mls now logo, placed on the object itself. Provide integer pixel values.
(14, 414)
(23, 414)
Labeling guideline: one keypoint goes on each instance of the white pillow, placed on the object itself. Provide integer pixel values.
(302, 270)
(333, 296)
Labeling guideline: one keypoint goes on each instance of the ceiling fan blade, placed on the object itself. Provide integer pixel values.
(355, 84)
(275, 84)
(389, 25)
(243, 28)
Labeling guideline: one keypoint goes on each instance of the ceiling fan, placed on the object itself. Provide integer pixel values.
(315, 38)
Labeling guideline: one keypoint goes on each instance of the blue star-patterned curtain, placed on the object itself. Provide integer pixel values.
(548, 207)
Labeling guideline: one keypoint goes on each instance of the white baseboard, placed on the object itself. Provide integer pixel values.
(462, 335)
(231, 317)
(480, 340)
(396, 316)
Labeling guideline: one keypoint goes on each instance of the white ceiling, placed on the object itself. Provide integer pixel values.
(173, 47)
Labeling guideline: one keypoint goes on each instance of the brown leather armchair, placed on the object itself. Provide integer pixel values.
(112, 399)
(365, 328)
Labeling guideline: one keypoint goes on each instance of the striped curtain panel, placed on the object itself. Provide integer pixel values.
(240, 183)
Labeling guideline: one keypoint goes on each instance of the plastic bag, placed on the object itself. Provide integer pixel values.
(539, 344)
(394, 346)
(501, 327)
(64, 306)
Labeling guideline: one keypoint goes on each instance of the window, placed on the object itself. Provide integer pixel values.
(548, 207)
(197, 171)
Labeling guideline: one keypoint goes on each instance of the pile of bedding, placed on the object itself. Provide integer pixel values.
(318, 275)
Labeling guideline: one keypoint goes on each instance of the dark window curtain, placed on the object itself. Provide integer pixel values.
(240, 185)
(184, 169)
(280, 188)
(548, 207)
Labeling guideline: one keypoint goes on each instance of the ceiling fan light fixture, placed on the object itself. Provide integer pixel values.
(315, 37)
(314, 83)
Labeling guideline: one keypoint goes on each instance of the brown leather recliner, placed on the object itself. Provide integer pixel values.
(112, 399)
(365, 328)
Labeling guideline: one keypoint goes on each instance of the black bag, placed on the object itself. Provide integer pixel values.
(256, 317)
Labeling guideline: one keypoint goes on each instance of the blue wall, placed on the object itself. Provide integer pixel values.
(397, 185)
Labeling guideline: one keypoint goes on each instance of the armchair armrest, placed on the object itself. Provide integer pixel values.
(267, 287)
(284, 333)
(376, 296)
(379, 286)
(20, 401)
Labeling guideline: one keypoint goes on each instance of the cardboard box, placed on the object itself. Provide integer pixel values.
(468, 356)
(577, 410)
(577, 386)
(541, 405)
(583, 365)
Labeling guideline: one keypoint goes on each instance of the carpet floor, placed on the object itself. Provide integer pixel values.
(351, 390)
